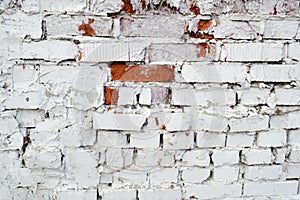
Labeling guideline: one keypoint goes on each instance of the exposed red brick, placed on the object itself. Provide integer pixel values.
(156, 121)
(204, 24)
(139, 73)
(163, 127)
(160, 95)
(127, 7)
(111, 96)
(87, 28)
(202, 36)
(143, 4)
(204, 50)
(195, 9)
(80, 55)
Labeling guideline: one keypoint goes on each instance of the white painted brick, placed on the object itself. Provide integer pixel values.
(270, 188)
(252, 52)
(163, 176)
(78, 195)
(49, 50)
(283, 29)
(126, 194)
(169, 121)
(154, 158)
(106, 6)
(253, 123)
(292, 171)
(274, 138)
(294, 51)
(207, 139)
(29, 118)
(227, 174)
(129, 178)
(274, 73)
(209, 123)
(214, 73)
(145, 96)
(289, 120)
(253, 96)
(10, 136)
(145, 140)
(280, 155)
(65, 6)
(203, 97)
(154, 27)
(196, 158)
(118, 121)
(126, 96)
(240, 139)
(25, 100)
(24, 76)
(119, 158)
(225, 157)
(294, 137)
(213, 191)
(262, 173)
(111, 139)
(287, 96)
(295, 155)
(178, 140)
(66, 25)
(256, 156)
(195, 175)
(160, 194)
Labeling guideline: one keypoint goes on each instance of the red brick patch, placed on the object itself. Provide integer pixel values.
(111, 96)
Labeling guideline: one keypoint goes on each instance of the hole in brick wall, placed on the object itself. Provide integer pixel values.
(128, 138)
(27, 99)
(161, 140)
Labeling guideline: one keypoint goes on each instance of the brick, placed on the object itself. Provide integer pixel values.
(253, 123)
(178, 140)
(65, 25)
(49, 50)
(287, 96)
(207, 139)
(195, 175)
(163, 176)
(294, 155)
(294, 137)
(213, 73)
(118, 121)
(150, 194)
(24, 76)
(292, 171)
(98, 52)
(283, 29)
(29, 118)
(252, 52)
(227, 174)
(154, 158)
(169, 121)
(196, 158)
(25, 100)
(253, 96)
(293, 51)
(256, 156)
(160, 95)
(225, 157)
(78, 195)
(263, 173)
(126, 96)
(204, 122)
(145, 96)
(66, 6)
(107, 6)
(270, 188)
(203, 97)
(213, 191)
(181, 52)
(119, 158)
(114, 194)
(288, 120)
(155, 27)
(111, 96)
(240, 139)
(128, 178)
(145, 140)
(280, 155)
(137, 73)
(274, 73)
(274, 138)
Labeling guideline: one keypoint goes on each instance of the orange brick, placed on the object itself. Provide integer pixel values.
(139, 73)
(111, 96)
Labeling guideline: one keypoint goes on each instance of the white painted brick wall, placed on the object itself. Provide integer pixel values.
(134, 99)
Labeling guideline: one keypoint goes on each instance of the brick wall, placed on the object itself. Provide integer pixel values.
(149, 99)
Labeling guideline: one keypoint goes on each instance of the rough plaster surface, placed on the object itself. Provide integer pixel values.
(149, 99)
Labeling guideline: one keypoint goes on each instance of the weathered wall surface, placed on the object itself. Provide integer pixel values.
(149, 99)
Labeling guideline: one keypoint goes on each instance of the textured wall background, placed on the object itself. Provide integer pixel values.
(149, 99)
